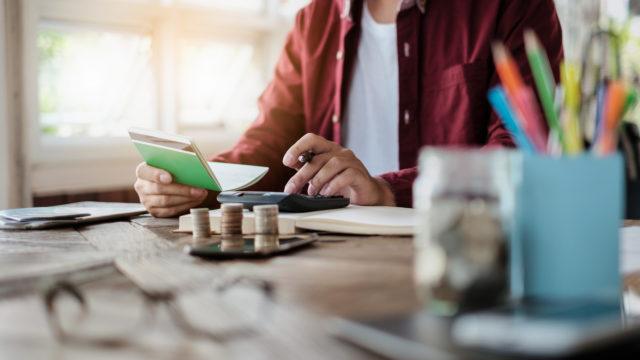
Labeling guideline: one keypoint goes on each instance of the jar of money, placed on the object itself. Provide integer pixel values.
(464, 201)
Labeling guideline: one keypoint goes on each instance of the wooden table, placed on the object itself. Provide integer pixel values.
(339, 276)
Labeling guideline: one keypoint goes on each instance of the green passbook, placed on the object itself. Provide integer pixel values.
(181, 158)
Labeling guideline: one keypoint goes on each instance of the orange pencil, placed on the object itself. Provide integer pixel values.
(614, 106)
(507, 68)
(521, 96)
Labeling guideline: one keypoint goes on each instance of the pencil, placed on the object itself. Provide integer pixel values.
(543, 79)
(507, 68)
(521, 97)
(615, 101)
(498, 99)
(569, 74)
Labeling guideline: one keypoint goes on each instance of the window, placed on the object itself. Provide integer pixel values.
(170, 64)
(219, 83)
(93, 83)
(94, 68)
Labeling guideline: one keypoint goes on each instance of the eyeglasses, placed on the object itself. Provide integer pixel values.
(106, 318)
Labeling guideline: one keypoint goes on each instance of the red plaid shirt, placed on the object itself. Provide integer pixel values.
(445, 70)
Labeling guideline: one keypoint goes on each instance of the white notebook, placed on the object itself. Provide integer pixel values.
(357, 220)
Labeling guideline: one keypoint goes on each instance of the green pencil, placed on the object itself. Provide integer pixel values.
(545, 83)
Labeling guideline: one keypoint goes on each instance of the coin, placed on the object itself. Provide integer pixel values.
(231, 219)
(200, 223)
(266, 243)
(232, 243)
(266, 219)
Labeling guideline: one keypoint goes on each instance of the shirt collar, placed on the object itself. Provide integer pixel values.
(403, 5)
(406, 4)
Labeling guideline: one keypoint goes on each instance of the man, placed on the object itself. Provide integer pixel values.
(369, 82)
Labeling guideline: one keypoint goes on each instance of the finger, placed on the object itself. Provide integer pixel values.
(332, 168)
(146, 187)
(306, 172)
(166, 201)
(310, 142)
(150, 173)
(340, 184)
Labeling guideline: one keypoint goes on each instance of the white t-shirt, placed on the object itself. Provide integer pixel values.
(371, 129)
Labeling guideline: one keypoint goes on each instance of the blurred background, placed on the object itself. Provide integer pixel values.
(75, 74)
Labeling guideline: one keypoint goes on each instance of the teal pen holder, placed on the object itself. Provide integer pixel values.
(565, 243)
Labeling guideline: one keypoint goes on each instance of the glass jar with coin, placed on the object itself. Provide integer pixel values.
(464, 201)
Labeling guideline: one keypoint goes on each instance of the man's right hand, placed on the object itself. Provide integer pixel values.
(161, 196)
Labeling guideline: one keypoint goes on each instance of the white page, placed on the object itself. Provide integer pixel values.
(235, 176)
(630, 239)
(365, 220)
(630, 249)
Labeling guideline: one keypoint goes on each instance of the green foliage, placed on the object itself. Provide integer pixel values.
(49, 130)
(51, 44)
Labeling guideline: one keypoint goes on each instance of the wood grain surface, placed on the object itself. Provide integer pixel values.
(350, 276)
(339, 276)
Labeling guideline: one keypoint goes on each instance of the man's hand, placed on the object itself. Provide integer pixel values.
(161, 197)
(334, 170)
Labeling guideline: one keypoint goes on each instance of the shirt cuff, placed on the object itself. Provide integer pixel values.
(401, 183)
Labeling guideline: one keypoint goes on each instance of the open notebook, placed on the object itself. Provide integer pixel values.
(181, 158)
(358, 220)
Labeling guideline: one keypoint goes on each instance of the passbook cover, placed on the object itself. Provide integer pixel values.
(181, 158)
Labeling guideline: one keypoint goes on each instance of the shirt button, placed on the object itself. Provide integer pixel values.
(339, 55)
(335, 119)
(407, 49)
(407, 117)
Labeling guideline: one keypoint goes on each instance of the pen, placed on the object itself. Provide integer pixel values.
(306, 157)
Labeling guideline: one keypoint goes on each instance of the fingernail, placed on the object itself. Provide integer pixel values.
(165, 178)
(289, 188)
(288, 159)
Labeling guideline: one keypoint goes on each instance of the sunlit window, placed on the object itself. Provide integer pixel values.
(219, 82)
(242, 5)
(94, 83)
(99, 73)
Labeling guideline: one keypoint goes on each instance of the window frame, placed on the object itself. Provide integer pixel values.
(5, 151)
(53, 160)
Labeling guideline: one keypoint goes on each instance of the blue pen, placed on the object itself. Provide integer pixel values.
(500, 102)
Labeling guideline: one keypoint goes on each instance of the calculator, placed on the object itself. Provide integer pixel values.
(294, 203)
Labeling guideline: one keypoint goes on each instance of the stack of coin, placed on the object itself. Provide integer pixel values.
(232, 243)
(266, 243)
(200, 223)
(231, 222)
(266, 218)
